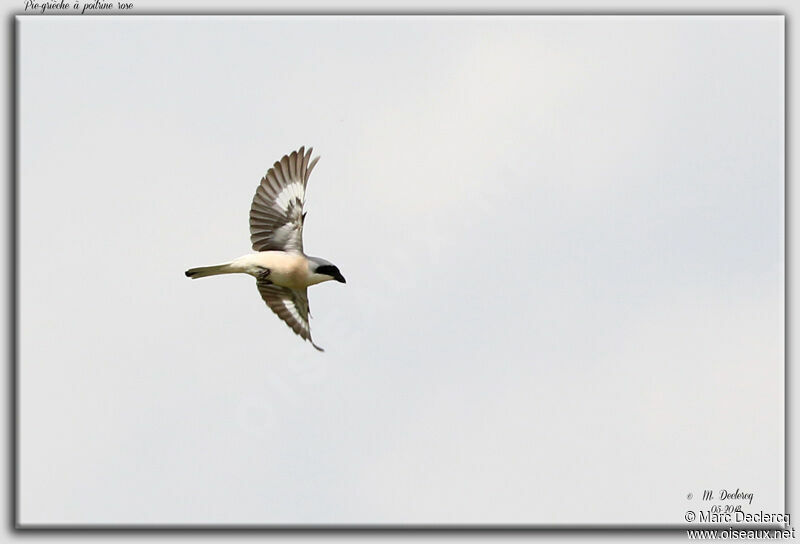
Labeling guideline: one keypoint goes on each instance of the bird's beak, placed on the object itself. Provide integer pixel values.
(340, 279)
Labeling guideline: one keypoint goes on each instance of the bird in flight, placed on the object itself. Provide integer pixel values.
(283, 272)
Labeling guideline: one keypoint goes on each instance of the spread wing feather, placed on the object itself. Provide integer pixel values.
(276, 214)
(290, 305)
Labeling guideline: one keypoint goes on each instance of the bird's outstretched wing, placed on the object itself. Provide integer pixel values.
(291, 305)
(276, 215)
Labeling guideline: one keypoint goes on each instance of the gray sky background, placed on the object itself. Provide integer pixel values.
(563, 240)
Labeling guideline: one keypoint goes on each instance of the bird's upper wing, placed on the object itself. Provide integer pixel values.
(291, 305)
(276, 215)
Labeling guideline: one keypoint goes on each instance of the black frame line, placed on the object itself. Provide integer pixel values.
(90, 530)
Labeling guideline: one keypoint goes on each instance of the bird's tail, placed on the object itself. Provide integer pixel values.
(203, 271)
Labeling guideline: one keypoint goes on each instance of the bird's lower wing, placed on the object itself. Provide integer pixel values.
(290, 305)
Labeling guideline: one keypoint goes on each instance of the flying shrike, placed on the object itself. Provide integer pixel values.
(282, 271)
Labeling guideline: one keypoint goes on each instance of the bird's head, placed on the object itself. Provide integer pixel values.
(322, 270)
